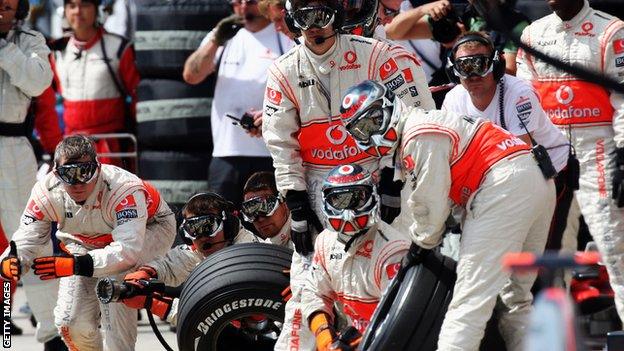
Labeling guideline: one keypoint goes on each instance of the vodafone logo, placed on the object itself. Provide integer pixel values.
(564, 94)
(274, 96)
(34, 210)
(388, 68)
(336, 134)
(350, 56)
(346, 169)
(587, 26)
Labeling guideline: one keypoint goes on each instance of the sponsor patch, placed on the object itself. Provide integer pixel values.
(27, 219)
(335, 256)
(274, 96)
(126, 214)
(126, 203)
(269, 110)
(366, 249)
(618, 46)
(413, 91)
(307, 83)
(387, 69)
(392, 269)
(619, 61)
(395, 83)
(34, 211)
(408, 163)
(360, 41)
(408, 75)
(69, 215)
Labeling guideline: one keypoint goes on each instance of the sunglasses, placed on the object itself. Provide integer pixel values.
(314, 17)
(475, 65)
(349, 198)
(206, 225)
(368, 123)
(76, 173)
(259, 206)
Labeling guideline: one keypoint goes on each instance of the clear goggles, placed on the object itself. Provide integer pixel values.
(206, 225)
(313, 17)
(356, 197)
(475, 65)
(264, 206)
(368, 123)
(76, 173)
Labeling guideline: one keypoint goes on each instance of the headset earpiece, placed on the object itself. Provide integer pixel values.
(288, 18)
(23, 7)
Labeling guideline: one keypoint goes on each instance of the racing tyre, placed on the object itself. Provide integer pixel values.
(232, 300)
(410, 314)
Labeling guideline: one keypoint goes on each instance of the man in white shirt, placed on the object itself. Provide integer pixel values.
(480, 70)
(243, 47)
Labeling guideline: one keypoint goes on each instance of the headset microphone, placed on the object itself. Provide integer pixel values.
(321, 40)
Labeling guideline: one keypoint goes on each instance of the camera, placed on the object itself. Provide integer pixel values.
(110, 290)
(445, 30)
(543, 161)
(246, 122)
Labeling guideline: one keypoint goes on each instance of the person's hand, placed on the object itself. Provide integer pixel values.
(158, 304)
(415, 255)
(257, 117)
(618, 178)
(390, 194)
(303, 221)
(52, 267)
(348, 340)
(11, 266)
(143, 273)
(437, 9)
(226, 29)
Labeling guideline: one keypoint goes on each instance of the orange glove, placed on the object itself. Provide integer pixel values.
(143, 273)
(160, 305)
(52, 267)
(11, 267)
(322, 330)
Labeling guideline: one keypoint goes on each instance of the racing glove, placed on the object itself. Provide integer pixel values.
(390, 194)
(348, 340)
(11, 266)
(322, 330)
(226, 29)
(618, 178)
(304, 221)
(415, 255)
(158, 304)
(143, 273)
(52, 267)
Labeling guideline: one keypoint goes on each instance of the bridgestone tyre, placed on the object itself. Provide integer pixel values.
(410, 314)
(239, 281)
(176, 175)
(168, 31)
(173, 115)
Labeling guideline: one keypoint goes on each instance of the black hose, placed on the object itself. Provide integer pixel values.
(150, 317)
(495, 20)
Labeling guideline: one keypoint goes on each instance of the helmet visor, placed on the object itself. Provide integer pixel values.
(206, 225)
(313, 17)
(259, 206)
(475, 65)
(349, 198)
(369, 122)
(77, 173)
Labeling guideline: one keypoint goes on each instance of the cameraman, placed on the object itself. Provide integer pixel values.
(486, 92)
(209, 225)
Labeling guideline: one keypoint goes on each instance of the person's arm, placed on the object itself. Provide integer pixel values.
(389, 262)
(28, 67)
(412, 24)
(614, 67)
(429, 176)
(175, 267)
(280, 125)
(524, 62)
(201, 63)
(129, 75)
(47, 121)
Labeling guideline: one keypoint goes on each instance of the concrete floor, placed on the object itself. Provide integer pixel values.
(146, 340)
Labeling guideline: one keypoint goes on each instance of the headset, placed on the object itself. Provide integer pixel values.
(498, 60)
(23, 7)
(231, 222)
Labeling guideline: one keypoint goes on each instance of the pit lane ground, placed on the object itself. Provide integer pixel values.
(146, 340)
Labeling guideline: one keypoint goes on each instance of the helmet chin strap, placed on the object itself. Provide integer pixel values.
(352, 238)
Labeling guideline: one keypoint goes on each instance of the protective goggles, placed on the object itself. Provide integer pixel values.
(368, 123)
(354, 197)
(77, 173)
(206, 225)
(475, 65)
(259, 206)
(313, 17)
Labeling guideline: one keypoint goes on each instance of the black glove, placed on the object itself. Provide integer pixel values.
(227, 28)
(415, 255)
(618, 178)
(390, 194)
(347, 340)
(304, 221)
